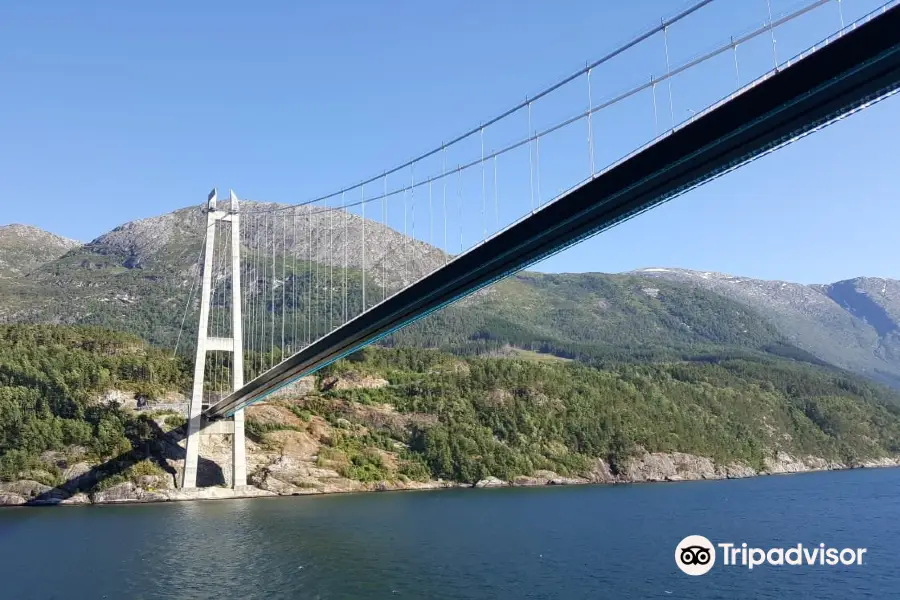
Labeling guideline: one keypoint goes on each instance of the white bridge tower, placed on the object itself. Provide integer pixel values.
(196, 423)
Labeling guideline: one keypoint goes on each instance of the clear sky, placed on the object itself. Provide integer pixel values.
(111, 112)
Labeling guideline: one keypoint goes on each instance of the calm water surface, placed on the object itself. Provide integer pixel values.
(577, 542)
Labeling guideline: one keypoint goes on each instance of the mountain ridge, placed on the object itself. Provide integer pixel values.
(137, 276)
(24, 248)
(846, 322)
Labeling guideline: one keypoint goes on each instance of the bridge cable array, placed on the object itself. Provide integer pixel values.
(310, 268)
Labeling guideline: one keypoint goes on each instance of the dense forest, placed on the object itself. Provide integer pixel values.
(500, 416)
(506, 417)
(51, 378)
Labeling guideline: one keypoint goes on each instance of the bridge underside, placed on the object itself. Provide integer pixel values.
(856, 69)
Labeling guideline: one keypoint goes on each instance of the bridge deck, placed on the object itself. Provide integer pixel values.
(861, 66)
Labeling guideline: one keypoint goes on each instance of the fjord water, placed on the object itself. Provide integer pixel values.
(576, 542)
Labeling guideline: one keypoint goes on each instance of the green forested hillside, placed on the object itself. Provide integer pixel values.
(479, 416)
(597, 318)
(505, 417)
(50, 380)
(594, 317)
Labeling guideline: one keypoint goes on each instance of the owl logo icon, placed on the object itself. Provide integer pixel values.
(695, 555)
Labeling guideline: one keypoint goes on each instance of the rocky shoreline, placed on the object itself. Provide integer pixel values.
(646, 468)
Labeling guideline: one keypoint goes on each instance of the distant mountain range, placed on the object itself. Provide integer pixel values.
(854, 324)
(136, 278)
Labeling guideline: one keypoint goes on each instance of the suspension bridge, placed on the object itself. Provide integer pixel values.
(288, 289)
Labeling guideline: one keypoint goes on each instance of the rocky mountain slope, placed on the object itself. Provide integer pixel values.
(137, 278)
(303, 233)
(854, 324)
(24, 248)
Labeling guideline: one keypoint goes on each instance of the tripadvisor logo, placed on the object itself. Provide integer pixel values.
(696, 555)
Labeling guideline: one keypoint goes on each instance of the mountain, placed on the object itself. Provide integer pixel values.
(649, 375)
(597, 318)
(304, 232)
(24, 248)
(854, 324)
(139, 276)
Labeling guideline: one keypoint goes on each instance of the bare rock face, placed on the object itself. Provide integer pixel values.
(601, 472)
(123, 492)
(304, 232)
(352, 381)
(290, 475)
(545, 478)
(265, 480)
(25, 488)
(156, 482)
(490, 482)
(26, 491)
(879, 462)
(155, 496)
(298, 388)
(536, 478)
(736, 471)
(675, 466)
(127, 492)
(297, 444)
(76, 499)
(389, 486)
(817, 463)
(177, 466)
(689, 466)
(783, 462)
(560, 480)
(11, 499)
(119, 397)
(649, 467)
(76, 470)
(271, 414)
(79, 476)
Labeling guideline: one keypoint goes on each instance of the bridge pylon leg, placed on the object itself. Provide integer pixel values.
(239, 449)
(206, 344)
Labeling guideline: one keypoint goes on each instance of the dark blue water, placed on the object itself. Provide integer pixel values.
(577, 542)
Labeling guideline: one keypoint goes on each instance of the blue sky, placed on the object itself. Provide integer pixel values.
(111, 112)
